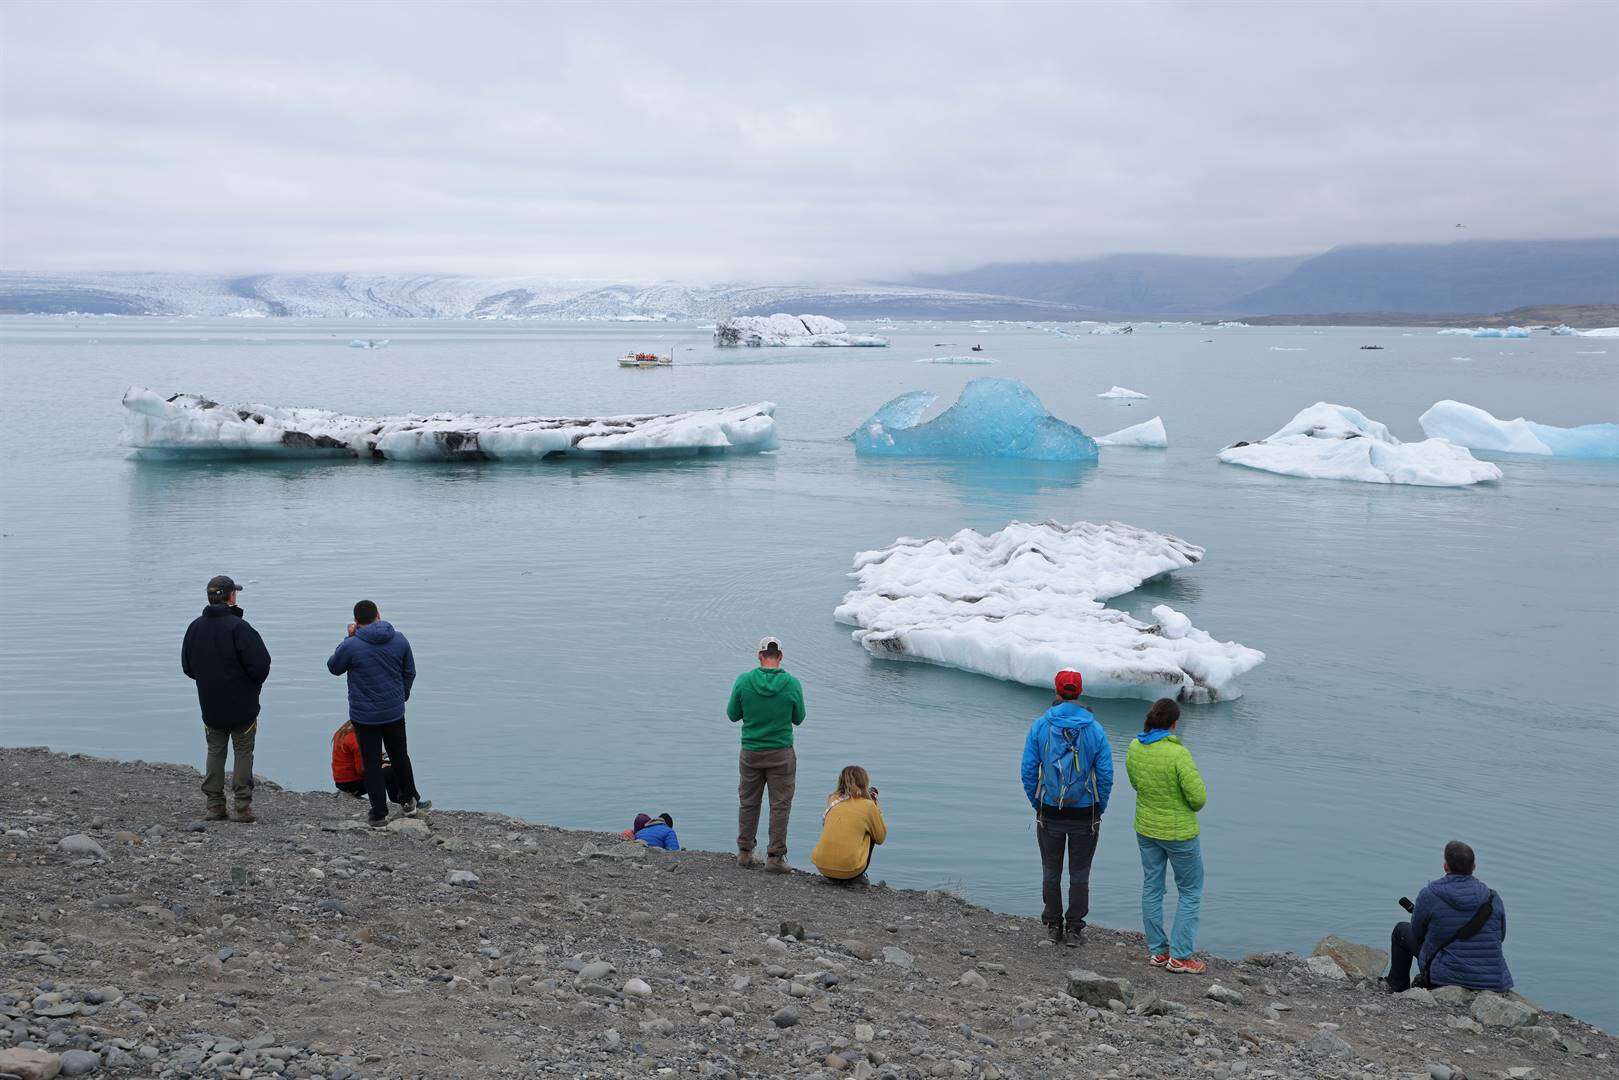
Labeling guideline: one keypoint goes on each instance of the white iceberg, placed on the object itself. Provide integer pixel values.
(1023, 603)
(993, 418)
(785, 331)
(1148, 433)
(186, 425)
(369, 343)
(957, 360)
(1489, 332)
(1120, 392)
(1564, 330)
(1601, 331)
(1335, 442)
(1472, 427)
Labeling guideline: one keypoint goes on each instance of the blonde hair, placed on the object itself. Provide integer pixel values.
(348, 726)
(854, 783)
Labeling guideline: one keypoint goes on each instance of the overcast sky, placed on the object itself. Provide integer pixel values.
(789, 142)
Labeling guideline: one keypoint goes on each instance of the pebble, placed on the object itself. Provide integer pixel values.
(898, 957)
(79, 1063)
(1223, 995)
(637, 988)
(466, 879)
(972, 978)
(80, 844)
(785, 1017)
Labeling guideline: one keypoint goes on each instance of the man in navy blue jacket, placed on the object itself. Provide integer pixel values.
(227, 660)
(380, 667)
(1445, 907)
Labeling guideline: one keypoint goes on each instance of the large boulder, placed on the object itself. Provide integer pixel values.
(1493, 1010)
(1356, 960)
(30, 1064)
(1097, 990)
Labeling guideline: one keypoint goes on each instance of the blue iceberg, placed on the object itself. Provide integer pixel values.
(1476, 429)
(993, 418)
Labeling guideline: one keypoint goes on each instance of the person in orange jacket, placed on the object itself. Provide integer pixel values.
(348, 768)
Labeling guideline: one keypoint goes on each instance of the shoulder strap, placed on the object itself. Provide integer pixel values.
(1467, 929)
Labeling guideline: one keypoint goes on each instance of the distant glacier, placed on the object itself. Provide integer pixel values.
(449, 296)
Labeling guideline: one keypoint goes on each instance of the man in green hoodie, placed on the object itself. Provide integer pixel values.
(769, 703)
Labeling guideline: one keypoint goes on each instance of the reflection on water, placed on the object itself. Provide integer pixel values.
(1440, 662)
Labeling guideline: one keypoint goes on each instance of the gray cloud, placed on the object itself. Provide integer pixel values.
(808, 141)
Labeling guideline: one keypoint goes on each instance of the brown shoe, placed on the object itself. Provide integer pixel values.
(216, 813)
(744, 859)
(777, 865)
(245, 815)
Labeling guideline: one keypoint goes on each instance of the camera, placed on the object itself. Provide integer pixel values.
(1405, 902)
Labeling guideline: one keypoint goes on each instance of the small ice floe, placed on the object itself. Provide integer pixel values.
(1476, 429)
(1120, 392)
(1025, 602)
(369, 343)
(1148, 433)
(973, 359)
(1335, 442)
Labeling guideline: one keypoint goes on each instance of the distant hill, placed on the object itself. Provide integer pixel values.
(1478, 275)
(1579, 316)
(1127, 284)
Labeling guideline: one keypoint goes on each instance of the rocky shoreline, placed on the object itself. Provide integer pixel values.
(140, 941)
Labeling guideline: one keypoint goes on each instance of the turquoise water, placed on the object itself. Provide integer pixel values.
(1442, 663)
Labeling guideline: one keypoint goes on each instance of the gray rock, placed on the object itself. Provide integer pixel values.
(637, 988)
(80, 1063)
(1325, 967)
(80, 844)
(792, 930)
(466, 879)
(1357, 960)
(1453, 995)
(594, 971)
(972, 978)
(1096, 990)
(858, 949)
(30, 1064)
(1493, 1010)
(1438, 1070)
(501, 985)
(785, 1017)
(1420, 995)
(898, 957)
(1223, 995)
(1328, 1044)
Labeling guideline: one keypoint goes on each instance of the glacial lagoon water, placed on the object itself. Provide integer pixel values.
(1442, 662)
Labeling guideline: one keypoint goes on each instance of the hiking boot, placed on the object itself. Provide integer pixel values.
(1158, 959)
(777, 865)
(1188, 966)
(377, 822)
(216, 813)
(424, 804)
(407, 808)
(1054, 933)
(1076, 935)
(245, 815)
(744, 859)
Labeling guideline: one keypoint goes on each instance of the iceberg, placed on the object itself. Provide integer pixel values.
(1487, 332)
(189, 426)
(1564, 330)
(993, 418)
(1148, 433)
(1335, 442)
(1472, 427)
(1120, 392)
(369, 343)
(1601, 331)
(957, 360)
(784, 331)
(1023, 603)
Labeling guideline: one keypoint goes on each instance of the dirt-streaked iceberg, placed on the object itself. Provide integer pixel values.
(1023, 603)
(1335, 442)
(993, 418)
(1476, 429)
(188, 426)
(788, 331)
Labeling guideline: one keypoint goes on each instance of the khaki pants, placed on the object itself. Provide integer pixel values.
(241, 777)
(778, 770)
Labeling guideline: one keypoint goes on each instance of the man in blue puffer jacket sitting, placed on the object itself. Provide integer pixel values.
(380, 667)
(1067, 774)
(1446, 909)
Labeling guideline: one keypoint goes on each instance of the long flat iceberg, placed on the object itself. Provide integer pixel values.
(1335, 442)
(1476, 429)
(187, 425)
(1487, 332)
(1121, 392)
(1023, 603)
(790, 331)
(1148, 433)
(993, 418)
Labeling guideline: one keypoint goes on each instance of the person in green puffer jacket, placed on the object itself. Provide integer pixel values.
(1169, 793)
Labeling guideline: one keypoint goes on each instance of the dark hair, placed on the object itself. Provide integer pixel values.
(666, 819)
(365, 612)
(1459, 858)
(1163, 714)
(774, 650)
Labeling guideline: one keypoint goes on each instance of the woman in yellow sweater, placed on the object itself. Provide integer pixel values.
(850, 828)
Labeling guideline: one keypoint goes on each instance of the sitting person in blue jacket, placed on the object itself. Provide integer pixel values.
(658, 832)
(1438, 934)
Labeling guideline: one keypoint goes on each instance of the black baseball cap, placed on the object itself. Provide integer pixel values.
(221, 585)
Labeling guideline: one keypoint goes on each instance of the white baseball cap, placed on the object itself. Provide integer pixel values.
(770, 643)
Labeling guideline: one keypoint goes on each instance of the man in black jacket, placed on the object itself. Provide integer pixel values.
(227, 660)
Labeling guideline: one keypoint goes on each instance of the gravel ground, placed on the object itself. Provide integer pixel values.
(310, 946)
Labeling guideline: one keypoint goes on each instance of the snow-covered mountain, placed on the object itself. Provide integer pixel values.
(445, 296)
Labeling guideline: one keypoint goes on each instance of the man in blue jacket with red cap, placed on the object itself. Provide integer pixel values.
(1068, 776)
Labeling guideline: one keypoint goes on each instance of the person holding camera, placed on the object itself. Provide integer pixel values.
(380, 669)
(1456, 934)
(851, 828)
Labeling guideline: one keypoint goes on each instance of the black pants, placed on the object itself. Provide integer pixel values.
(372, 738)
(389, 781)
(1078, 839)
(1403, 948)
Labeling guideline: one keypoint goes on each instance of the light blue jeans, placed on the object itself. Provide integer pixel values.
(1186, 856)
